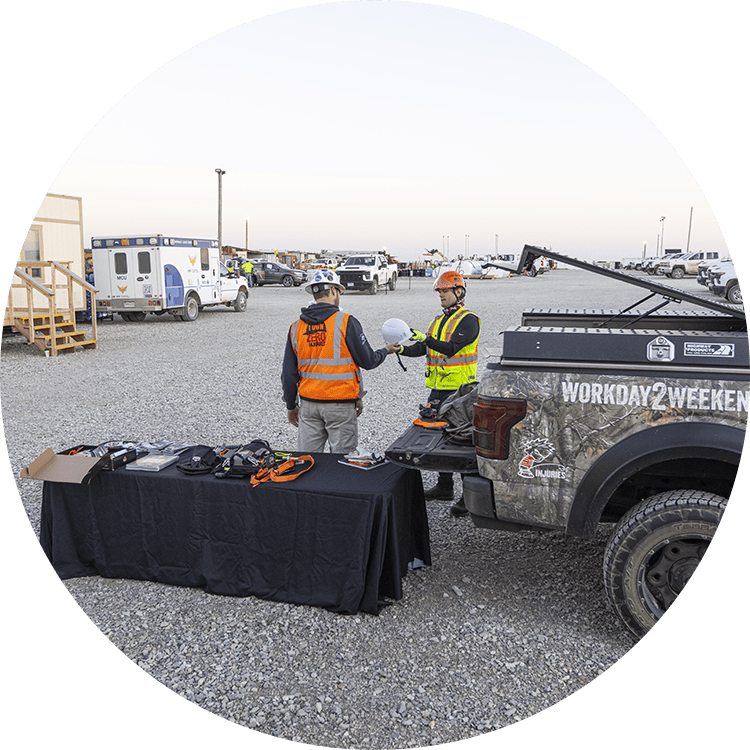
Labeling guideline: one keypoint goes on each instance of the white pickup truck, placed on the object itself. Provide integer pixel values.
(369, 272)
(685, 264)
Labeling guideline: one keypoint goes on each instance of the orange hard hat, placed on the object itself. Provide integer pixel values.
(449, 280)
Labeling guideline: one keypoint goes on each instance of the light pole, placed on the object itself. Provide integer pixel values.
(220, 173)
(662, 233)
(247, 234)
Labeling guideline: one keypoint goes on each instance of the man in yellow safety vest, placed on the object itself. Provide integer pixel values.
(247, 270)
(451, 348)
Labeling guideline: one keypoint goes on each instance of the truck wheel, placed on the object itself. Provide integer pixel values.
(734, 294)
(374, 286)
(654, 550)
(677, 273)
(287, 281)
(191, 309)
(392, 283)
(240, 304)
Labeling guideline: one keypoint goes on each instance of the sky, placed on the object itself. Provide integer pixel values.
(361, 125)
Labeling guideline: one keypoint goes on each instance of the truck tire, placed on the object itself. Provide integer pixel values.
(287, 281)
(191, 309)
(374, 286)
(678, 272)
(734, 294)
(240, 304)
(654, 550)
(392, 283)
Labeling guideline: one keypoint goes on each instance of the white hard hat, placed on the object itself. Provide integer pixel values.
(323, 279)
(395, 331)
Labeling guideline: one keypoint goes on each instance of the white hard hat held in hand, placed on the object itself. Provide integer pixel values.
(395, 331)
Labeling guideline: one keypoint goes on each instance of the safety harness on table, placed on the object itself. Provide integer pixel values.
(284, 472)
(259, 462)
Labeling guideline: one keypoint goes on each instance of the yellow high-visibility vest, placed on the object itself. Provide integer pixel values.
(449, 373)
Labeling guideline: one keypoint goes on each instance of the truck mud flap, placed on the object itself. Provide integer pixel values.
(432, 450)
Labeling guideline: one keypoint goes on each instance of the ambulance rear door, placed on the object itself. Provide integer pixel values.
(134, 276)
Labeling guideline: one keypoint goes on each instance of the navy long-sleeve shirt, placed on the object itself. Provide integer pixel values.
(363, 354)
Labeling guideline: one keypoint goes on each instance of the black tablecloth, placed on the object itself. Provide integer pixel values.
(336, 537)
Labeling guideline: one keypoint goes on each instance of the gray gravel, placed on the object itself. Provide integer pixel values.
(501, 626)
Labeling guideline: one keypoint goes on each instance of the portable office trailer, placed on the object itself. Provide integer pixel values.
(56, 234)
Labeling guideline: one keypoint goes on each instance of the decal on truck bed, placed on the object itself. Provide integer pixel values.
(658, 396)
(693, 349)
(533, 464)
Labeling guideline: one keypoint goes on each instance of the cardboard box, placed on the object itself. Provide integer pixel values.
(51, 467)
(71, 466)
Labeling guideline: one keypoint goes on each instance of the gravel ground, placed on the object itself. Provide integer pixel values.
(501, 626)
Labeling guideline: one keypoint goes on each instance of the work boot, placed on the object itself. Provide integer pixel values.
(459, 509)
(443, 490)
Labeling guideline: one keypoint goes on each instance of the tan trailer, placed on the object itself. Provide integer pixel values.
(48, 287)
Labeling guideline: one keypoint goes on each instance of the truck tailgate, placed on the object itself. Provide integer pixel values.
(432, 450)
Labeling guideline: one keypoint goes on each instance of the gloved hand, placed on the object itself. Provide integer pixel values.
(417, 336)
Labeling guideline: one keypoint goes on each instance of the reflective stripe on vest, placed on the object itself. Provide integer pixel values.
(449, 373)
(326, 369)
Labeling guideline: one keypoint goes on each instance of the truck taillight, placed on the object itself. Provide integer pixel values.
(493, 418)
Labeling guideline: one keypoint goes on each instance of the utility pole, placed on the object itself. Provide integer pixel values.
(690, 226)
(662, 233)
(220, 173)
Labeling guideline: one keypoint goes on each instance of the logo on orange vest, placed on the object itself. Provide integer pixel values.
(316, 334)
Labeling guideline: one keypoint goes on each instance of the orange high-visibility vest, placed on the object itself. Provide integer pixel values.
(325, 365)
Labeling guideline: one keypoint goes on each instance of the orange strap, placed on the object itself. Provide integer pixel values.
(283, 472)
(430, 425)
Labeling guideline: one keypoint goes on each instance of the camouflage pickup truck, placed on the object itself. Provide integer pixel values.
(631, 418)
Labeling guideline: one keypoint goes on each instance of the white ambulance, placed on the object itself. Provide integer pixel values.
(154, 273)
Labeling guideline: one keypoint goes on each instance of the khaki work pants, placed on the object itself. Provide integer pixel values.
(334, 422)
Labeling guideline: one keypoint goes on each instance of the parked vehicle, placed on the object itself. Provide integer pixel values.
(368, 272)
(723, 281)
(649, 265)
(271, 272)
(685, 264)
(633, 418)
(153, 273)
